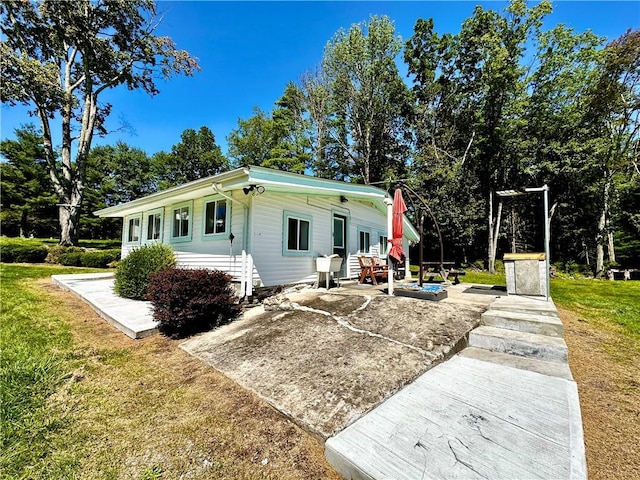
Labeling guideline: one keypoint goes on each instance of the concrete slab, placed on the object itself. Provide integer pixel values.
(523, 344)
(525, 304)
(133, 317)
(524, 322)
(326, 358)
(468, 418)
(554, 369)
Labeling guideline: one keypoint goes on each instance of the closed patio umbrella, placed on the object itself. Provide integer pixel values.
(397, 253)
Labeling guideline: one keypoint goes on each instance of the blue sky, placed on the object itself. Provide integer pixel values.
(248, 51)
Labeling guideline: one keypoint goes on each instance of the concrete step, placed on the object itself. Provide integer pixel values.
(523, 322)
(524, 344)
(514, 303)
(552, 369)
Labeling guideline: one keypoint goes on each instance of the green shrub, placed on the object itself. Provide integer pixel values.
(22, 251)
(99, 258)
(70, 259)
(56, 250)
(192, 301)
(135, 270)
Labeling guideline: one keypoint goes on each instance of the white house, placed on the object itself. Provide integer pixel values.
(264, 227)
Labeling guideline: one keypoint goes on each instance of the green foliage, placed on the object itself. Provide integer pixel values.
(28, 200)
(88, 258)
(22, 250)
(280, 141)
(196, 156)
(115, 174)
(134, 272)
(61, 58)
(192, 301)
(369, 103)
(54, 253)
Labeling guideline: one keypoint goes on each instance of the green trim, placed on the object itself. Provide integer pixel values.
(286, 215)
(127, 220)
(216, 236)
(189, 235)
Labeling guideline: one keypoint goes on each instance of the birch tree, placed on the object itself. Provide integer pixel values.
(61, 57)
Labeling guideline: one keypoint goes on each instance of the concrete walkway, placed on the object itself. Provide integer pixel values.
(504, 408)
(132, 317)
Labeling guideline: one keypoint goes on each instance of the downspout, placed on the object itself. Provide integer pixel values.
(245, 289)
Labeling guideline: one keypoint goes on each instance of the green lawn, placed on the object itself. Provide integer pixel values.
(35, 346)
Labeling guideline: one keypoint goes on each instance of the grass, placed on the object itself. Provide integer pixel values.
(81, 400)
(34, 342)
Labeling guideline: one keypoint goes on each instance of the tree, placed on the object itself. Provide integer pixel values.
(28, 200)
(59, 57)
(613, 117)
(292, 142)
(368, 101)
(115, 174)
(252, 141)
(471, 88)
(557, 147)
(196, 156)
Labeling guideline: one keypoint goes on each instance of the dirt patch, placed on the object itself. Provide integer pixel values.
(335, 356)
(606, 366)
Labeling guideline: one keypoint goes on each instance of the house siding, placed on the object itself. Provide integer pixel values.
(264, 237)
(200, 251)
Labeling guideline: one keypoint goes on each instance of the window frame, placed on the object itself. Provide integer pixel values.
(129, 219)
(384, 246)
(179, 206)
(286, 216)
(367, 231)
(158, 212)
(227, 219)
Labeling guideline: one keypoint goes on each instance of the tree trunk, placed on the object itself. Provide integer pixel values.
(23, 223)
(69, 217)
(494, 228)
(611, 250)
(602, 223)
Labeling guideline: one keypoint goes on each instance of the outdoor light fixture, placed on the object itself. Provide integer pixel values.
(253, 188)
(343, 199)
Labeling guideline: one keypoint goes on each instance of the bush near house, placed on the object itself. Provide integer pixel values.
(134, 272)
(192, 301)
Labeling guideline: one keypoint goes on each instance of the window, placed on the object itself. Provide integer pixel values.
(154, 226)
(383, 244)
(364, 241)
(215, 221)
(181, 222)
(133, 235)
(297, 234)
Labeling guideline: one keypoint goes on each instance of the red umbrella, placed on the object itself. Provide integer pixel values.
(397, 253)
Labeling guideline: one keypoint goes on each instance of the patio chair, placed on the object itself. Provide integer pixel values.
(374, 268)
